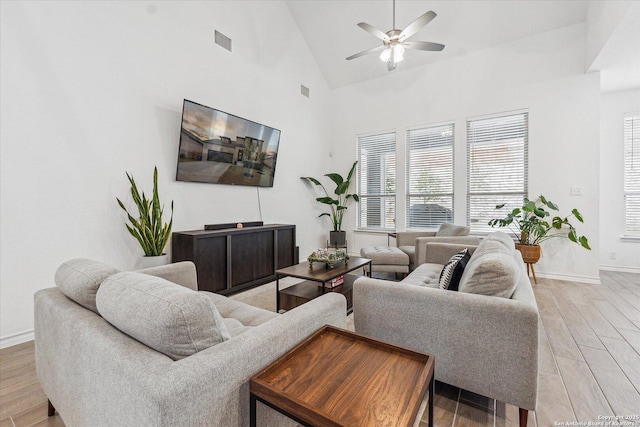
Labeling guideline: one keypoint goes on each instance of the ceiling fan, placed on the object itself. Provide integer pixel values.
(395, 41)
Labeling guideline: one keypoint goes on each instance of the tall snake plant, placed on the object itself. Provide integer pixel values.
(148, 228)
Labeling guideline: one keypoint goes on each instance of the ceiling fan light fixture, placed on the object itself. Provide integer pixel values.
(385, 55)
(398, 54)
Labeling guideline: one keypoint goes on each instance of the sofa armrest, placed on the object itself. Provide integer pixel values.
(183, 273)
(487, 345)
(440, 249)
(224, 370)
(408, 238)
(96, 375)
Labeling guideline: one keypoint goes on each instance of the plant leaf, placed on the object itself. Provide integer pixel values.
(584, 242)
(577, 215)
(336, 178)
(315, 181)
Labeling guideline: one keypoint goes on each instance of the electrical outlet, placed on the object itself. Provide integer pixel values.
(576, 191)
(613, 255)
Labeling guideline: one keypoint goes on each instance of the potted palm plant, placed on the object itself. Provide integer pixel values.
(337, 205)
(147, 226)
(531, 226)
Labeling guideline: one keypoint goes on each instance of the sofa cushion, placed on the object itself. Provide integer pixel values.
(494, 272)
(246, 314)
(448, 230)
(453, 269)
(426, 275)
(80, 278)
(169, 318)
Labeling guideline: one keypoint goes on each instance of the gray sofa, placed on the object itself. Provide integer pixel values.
(482, 343)
(191, 358)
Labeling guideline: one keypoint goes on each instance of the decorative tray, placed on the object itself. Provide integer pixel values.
(329, 258)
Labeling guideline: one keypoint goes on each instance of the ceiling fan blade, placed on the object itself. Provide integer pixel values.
(416, 25)
(365, 52)
(373, 30)
(436, 47)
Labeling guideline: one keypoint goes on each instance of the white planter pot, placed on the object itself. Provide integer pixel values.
(153, 261)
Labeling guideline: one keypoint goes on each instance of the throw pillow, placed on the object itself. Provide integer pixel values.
(453, 269)
(493, 273)
(80, 278)
(448, 230)
(167, 317)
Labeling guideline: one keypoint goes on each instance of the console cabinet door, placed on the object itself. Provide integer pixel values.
(211, 263)
(251, 257)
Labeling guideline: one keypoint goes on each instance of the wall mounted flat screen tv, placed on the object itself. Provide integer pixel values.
(220, 148)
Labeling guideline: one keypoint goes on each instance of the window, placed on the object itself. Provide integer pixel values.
(496, 166)
(377, 181)
(632, 174)
(430, 176)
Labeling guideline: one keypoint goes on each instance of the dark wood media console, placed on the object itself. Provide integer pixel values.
(234, 259)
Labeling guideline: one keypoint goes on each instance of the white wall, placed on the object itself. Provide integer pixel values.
(93, 89)
(544, 74)
(615, 253)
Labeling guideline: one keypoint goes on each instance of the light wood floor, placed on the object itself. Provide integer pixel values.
(589, 362)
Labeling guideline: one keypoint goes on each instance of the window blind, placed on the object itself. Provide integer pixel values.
(377, 181)
(632, 173)
(430, 176)
(497, 164)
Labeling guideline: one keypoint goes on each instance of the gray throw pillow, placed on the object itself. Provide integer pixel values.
(167, 317)
(447, 230)
(492, 273)
(80, 278)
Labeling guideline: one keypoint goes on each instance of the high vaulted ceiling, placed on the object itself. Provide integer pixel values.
(331, 32)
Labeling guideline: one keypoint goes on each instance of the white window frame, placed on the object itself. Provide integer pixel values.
(631, 182)
(387, 199)
(503, 132)
(422, 139)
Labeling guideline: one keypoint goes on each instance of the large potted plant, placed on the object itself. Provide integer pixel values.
(337, 205)
(531, 226)
(147, 226)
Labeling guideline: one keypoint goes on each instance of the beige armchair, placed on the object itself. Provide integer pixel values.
(414, 243)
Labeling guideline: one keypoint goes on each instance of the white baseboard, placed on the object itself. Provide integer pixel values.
(569, 278)
(620, 269)
(16, 339)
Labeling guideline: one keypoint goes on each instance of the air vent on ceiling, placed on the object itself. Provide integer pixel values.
(223, 40)
(304, 90)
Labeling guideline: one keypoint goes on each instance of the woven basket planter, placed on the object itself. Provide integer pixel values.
(530, 253)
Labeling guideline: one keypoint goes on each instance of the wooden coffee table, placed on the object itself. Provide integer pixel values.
(302, 292)
(338, 378)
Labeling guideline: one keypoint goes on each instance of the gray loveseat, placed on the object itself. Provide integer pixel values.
(484, 344)
(190, 362)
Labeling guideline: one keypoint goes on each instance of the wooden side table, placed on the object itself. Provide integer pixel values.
(338, 378)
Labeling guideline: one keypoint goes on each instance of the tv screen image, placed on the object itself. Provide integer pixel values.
(220, 148)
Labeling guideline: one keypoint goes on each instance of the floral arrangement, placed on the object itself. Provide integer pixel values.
(330, 257)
